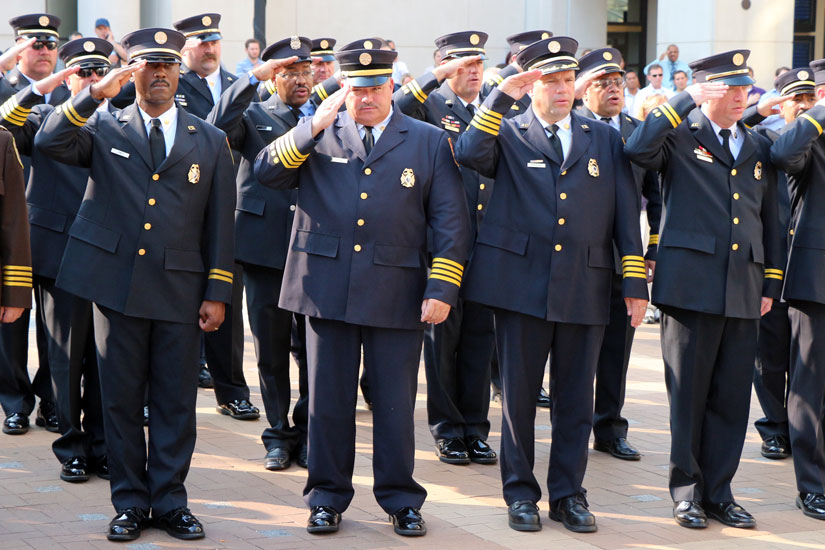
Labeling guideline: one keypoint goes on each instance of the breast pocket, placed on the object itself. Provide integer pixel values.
(501, 237)
(689, 240)
(316, 243)
(183, 260)
(251, 204)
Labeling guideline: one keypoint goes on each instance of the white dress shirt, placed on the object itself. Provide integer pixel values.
(564, 133)
(377, 130)
(476, 103)
(168, 122)
(214, 82)
(736, 139)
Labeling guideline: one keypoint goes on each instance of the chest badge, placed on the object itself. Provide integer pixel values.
(407, 177)
(194, 175)
(593, 168)
(757, 170)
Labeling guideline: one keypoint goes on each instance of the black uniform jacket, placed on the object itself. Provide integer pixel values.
(193, 92)
(15, 254)
(545, 247)
(491, 83)
(359, 242)
(146, 243)
(720, 247)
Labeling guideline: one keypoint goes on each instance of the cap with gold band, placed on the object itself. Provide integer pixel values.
(550, 55)
(607, 59)
(818, 67)
(796, 81)
(41, 26)
(155, 45)
(86, 53)
(204, 27)
(729, 68)
(322, 49)
(293, 46)
(521, 40)
(462, 44)
(364, 67)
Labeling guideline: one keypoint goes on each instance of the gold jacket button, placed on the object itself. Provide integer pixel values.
(481, 186)
(733, 172)
(155, 177)
(357, 248)
(292, 208)
(791, 231)
(151, 202)
(564, 173)
(361, 222)
(147, 226)
(142, 252)
(480, 206)
(364, 196)
(558, 248)
(563, 196)
(736, 196)
(562, 221)
(735, 221)
(734, 246)
(368, 171)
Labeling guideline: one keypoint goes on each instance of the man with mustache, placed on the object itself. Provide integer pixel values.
(263, 221)
(151, 248)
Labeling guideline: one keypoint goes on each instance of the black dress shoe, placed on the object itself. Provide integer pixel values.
(776, 447)
(146, 415)
(543, 399)
(573, 513)
(277, 459)
(523, 515)
(181, 524)
(690, 514)
(730, 514)
(811, 504)
(240, 409)
(205, 378)
(16, 424)
(75, 470)
(408, 522)
(479, 452)
(323, 519)
(101, 467)
(301, 455)
(127, 524)
(618, 447)
(452, 451)
(47, 417)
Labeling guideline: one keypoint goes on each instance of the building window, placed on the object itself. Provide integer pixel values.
(626, 31)
(804, 35)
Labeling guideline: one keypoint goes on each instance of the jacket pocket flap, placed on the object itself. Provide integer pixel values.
(47, 218)
(501, 237)
(398, 256)
(692, 241)
(758, 253)
(600, 256)
(183, 260)
(94, 234)
(316, 243)
(251, 204)
(808, 239)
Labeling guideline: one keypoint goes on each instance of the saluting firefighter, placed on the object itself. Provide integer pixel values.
(151, 247)
(719, 266)
(517, 42)
(371, 181)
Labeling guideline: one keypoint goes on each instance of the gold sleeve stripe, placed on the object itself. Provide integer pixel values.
(489, 125)
(25, 285)
(322, 93)
(774, 270)
(667, 114)
(283, 156)
(773, 276)
(69, 115)
(474, 124)
(627, 270)
(490, 113)
(654, 239)
(416, 90)
(294, 148)
(13, 112)
(810, 119)
(220, 278)
(630, 258)
(222, 272)
(74, 112)
(17, 268)
(449, 262)
(490, 120)
(18, 279)
(445, 267)
(633, 276)
(270, 87)
(446, 273)
(21, 274)
(669, 108)
(286, 152)
(443, 278)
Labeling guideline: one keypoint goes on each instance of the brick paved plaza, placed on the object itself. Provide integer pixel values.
(244, 506)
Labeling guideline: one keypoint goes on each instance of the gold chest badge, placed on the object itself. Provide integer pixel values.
(757, 170)
(407, 177)
(194, 175)
(593, 168)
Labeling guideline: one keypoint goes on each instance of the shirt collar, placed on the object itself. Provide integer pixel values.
(475, 103)
(563, 124)
(380, 126)
(214, 78)
(734, 130)
(165, 118)
(31, 80)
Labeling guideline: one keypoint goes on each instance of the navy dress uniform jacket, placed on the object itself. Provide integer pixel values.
(145, 243)
(545, 247)
(492, 83)
(720, 247)
(193, 92)
(15, 254)
(359, 241)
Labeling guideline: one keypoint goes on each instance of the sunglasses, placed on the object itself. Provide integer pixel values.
(47, 45)
(654, 75)
(99, 71)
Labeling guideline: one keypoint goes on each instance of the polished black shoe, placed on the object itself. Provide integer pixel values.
(181, 524)
(205, 378)
(146, 415)
(16, 424)
(479, 452)
(776, 447)
(543, 399)
(523, 515)
(101, 467)
(618, 447)
(408, 522)
(688, 513)
(573, 513)
(277, 459)
(811, 504)
(323, 519)
(127, 524)
(301, 456)
(452, 451)
(240, 409)
(47, 417)
(730, 514)
(75, 470)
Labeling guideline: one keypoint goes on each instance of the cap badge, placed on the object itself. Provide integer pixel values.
(206, 20)
(554, 47)
(757, 171)
(593, 168)
(89, 46)
(295, 43)
(738, 59)
(802, 75)
(324, 44)
(367, 44)
(44, 21)
(160, 37)
(607, 56)
(521, 47)
(545, 35)
(474, 39)
(407, 177)
(365, 58)
(194, 175)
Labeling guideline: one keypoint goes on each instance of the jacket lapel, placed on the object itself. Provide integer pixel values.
(227, 80)
(392, 136)
(347, 133)
(748, 147)
(131, 124)
(454, 103)
(183, 141)
(536, 136)
(704, 134)
(280, 110)
(198, 84)
(580, 141)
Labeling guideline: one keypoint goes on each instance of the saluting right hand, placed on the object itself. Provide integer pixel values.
(452, 67)
(268, 70)
(48, 84)
(328, 109)
(9, 58)
(518, 84)
(112, 83)
(703, 91)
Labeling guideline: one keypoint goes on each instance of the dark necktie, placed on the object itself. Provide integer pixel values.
(725, 133)
(606, 120)
(368, 140)
(555, 142)
(471, 109)
(156, 143)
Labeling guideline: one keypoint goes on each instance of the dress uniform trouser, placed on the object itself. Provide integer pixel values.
(391, 357)
(68, 324)
(17, 390)
(807, 394)
(271, 329)
(457, 355)
(611, 369)
(134, 352)
(524, 343)
(708, 371)
(770, 377)
(224, 348)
